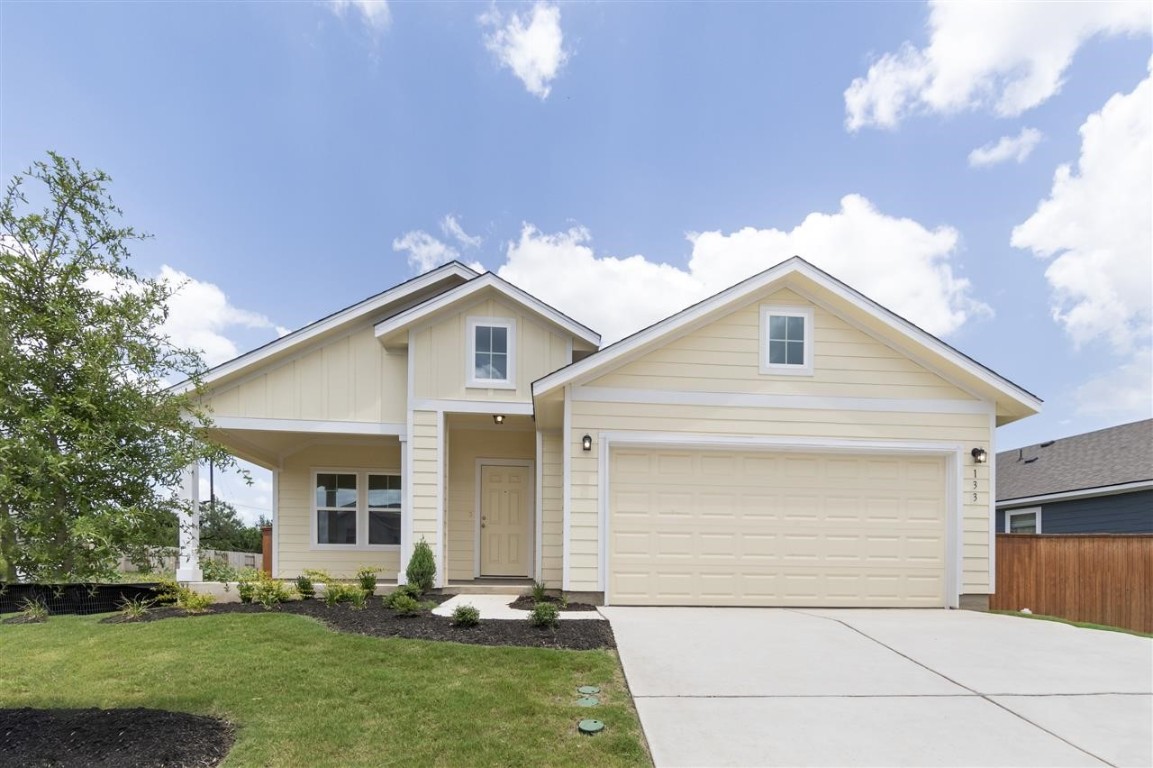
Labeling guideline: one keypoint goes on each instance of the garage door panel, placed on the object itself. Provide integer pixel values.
(774, 529)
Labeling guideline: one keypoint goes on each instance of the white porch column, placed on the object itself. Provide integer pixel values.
(406, 542)
(188, 568)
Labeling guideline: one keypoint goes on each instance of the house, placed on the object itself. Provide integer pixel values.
(1098, 482)
(785, 442)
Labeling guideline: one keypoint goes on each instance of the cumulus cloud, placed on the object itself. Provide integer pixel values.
(1017, 148)
(374, 13)
(1097, 226)
(1124, 394)
(451, 227)
(1009, 57)
(897, 262)
(532, 47)
(427, 252)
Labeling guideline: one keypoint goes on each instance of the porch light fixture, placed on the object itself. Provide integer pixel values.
(980, 455)
(587, 442)
(498, 418)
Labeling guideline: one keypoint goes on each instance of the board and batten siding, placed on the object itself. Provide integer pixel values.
(724, 357)
(439, 351)
(350, 378)
(552, 508)
(294, 513)
(465, 446)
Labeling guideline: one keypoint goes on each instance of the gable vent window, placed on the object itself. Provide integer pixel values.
(491, 348)
(787, 340)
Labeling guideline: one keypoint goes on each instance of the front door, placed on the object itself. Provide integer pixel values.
(504, 520)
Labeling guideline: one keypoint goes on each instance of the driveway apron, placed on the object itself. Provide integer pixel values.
(767, 687)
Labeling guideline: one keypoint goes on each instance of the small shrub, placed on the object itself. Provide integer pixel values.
(305, 588)
(167, 591)
(544, 615)
(406, 605)
(270, 592)
(135, 608)
(539, 592)
(335, 592)
(33, 609)
(191, 601)
(358, 599)
(318, 576)
(367, 578)
(409, 590)
(465, 616)
(421, 569)
(562, 602)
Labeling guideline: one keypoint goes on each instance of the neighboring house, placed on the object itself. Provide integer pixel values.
(1098, 482)
(785, 442)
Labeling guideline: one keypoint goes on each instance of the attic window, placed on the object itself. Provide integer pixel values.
(491, 352)
(787, 340)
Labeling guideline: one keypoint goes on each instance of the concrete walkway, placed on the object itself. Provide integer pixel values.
(753, 687)
(496, 607)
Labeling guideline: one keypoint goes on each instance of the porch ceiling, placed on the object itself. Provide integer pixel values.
(269, 448)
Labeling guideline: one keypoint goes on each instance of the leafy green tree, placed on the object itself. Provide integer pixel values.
(92, 438)
(220, 528)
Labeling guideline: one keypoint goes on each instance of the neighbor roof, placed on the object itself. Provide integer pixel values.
(1108, 457)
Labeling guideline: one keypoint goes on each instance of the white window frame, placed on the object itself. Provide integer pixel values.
(1009, 513)
(509, 324)
(361, 544)
(785, 369)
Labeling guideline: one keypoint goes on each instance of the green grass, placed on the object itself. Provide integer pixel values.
(303, 695)
(1082, 624)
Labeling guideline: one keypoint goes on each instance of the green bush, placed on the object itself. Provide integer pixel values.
(421, 569)
(305, 588)
(134, 608)
(335, 592)
(358, 599)
(544, 615)
(33, 609)
(465, 616)
(411, 590)
(193, 602)
(367, 578)
(406, 605)
(539, 592)
(215, 570)
(270, 592)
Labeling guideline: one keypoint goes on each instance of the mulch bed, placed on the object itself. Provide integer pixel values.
(111, 738)
(378, 621)
(526, 603)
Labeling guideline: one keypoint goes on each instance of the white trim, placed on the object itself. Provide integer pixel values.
(509, 324)
(361, 544)
(1011, 513)
(1082, 493)
(800, 402)
(406, 529)
(320, 327)
(992, 485)
(530, 555)
(566, 490)
(276, 523)
(441, 507)
(785, 369)
(507, 407)
(398, 322)
(309, 425)
(538, 511)
(952, 452)
(188, 562)
(795, 265)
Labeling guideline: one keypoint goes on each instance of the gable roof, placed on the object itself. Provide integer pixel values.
(891, 324)
(450, 274)
(394, 325)
(1094, 460)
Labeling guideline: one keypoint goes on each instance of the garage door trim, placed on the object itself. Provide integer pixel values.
(952, 452)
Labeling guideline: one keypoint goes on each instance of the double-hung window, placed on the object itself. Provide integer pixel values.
(356, 509)
(491, 352)
(787, 340)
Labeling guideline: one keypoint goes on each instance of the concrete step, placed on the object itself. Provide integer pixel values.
(488, 588)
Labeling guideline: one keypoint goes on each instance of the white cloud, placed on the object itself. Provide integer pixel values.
(452, 228)
(532, 48)
(1124, 394)
(1098, 223)
(374, 13)
(1016, 148)
(897, 262)
(1008, 56)
(425, 252)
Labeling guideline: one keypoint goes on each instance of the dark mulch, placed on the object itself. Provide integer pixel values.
(378, 621)
(111, 738)
(18, 619)
(526, 603)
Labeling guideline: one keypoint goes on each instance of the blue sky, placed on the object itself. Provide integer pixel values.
(623, 160)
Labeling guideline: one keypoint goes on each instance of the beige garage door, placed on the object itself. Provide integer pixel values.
(721, 528)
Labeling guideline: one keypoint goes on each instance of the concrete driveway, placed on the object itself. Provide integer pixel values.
(758, 687)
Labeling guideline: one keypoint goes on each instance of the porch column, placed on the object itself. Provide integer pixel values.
(188, 567)
(406, 542)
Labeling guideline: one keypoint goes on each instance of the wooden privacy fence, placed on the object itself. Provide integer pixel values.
(1098, 578)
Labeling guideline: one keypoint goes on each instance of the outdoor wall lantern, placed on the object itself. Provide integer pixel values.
(498, 418)
(980, 456)
(587, 442)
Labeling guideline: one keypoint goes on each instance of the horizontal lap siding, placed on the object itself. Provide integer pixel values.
(293, 516)
(424, 474)
(552, 509)
(351, 378)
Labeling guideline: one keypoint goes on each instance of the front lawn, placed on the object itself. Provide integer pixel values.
(303, 695)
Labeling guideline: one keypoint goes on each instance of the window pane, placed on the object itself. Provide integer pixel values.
(796, 329)
(777, 352)
(384, 526)
(777, 326)
(325, 485)
(1023, 523)
(796, 354)
(345, 492)
(335, 526)
(491, 367)
(499, 339)
(384, 491)
(483, 339)
(499, 367)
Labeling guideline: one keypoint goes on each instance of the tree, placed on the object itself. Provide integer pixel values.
(92, 438)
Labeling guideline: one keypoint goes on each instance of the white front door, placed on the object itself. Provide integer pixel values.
(505, 509)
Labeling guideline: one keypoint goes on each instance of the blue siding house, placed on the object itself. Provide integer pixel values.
(1098, 482)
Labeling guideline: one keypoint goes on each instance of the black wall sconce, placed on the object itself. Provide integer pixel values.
(587, 442)
(980, 455)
